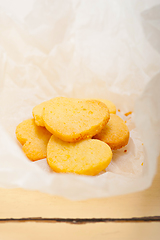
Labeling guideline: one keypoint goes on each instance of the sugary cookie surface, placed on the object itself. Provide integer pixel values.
(109, 104)
(33, 138)
(38, 112)
(89, 156)
(115, 133)
(72, 120)
(75, 135)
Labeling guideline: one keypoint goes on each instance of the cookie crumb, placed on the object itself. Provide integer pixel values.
(128, 113)
(125, 150)
(119, 110)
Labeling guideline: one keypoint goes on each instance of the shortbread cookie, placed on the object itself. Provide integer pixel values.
(88, 157)
(109, 104)
(115, 133)
(38, 110)
(72, 119)
(33, 138)
(37, 113)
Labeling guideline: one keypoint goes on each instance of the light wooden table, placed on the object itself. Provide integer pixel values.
(28, 215)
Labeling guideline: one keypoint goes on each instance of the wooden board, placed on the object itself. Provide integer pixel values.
(94, 231)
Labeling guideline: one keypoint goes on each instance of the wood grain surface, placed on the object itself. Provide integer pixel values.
(94, 231)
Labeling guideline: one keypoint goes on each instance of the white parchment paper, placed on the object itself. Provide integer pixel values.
(84, 49)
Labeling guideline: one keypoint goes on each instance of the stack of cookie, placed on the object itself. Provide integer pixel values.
(76, 135)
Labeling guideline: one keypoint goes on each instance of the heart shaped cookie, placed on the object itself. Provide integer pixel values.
(88, 157)
(109, 104)
(37, 113)
(115, 133)
(33, 138)
(73, 119)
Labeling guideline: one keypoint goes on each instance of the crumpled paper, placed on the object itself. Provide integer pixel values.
(83, 49)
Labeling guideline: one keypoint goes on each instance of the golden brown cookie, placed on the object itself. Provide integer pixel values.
(73, 119)
(109, 104)
(115, 133)
(38, 110)
(37, 113)
(89, 156)
(33, 138)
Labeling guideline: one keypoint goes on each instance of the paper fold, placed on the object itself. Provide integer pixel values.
(83, 49)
